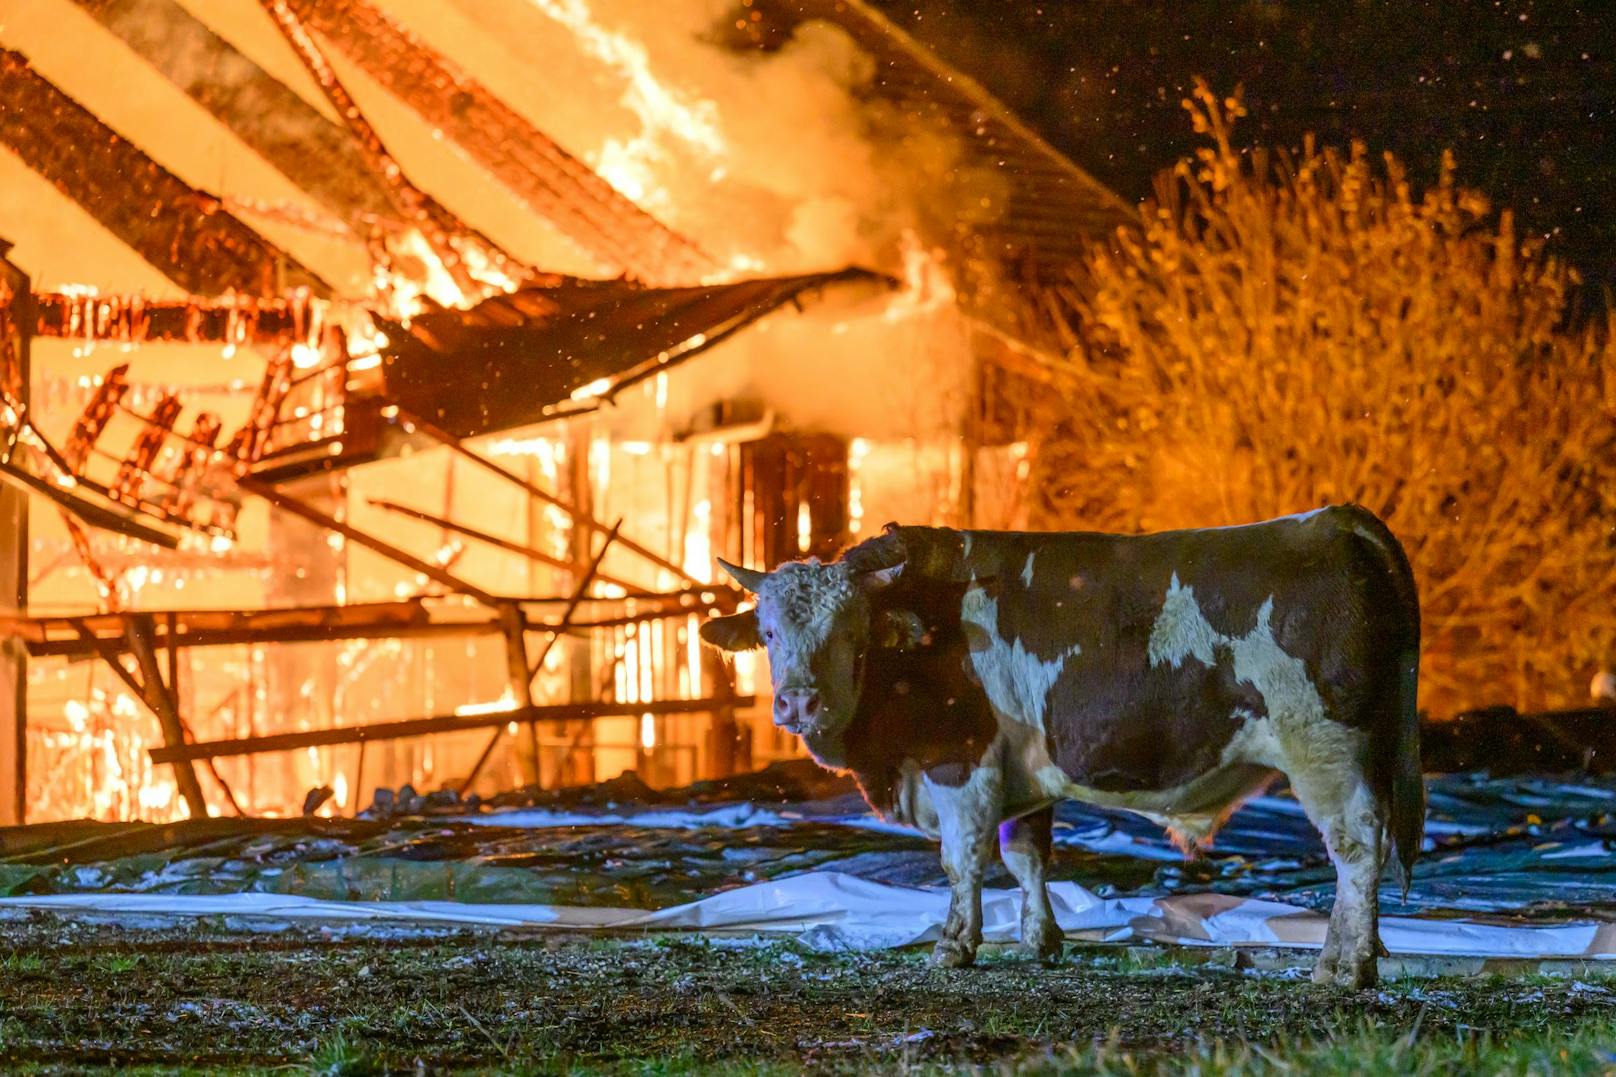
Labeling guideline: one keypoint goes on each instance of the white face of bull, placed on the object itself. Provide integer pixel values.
(814, 619)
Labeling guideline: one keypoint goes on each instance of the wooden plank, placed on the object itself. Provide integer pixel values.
(282, 128)
(420, 727)
(537, 556)
(551, 182)
(157, 696)
(522, 674)
(433, 572)
(184, 233)
(312, 634)
(579, 517)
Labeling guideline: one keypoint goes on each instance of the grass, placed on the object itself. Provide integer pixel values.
(76, 998)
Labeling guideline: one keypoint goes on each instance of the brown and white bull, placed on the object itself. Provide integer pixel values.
(971, 679)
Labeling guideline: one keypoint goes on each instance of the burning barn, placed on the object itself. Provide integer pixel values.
(382, 376)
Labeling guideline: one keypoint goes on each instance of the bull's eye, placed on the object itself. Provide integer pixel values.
(768, 635)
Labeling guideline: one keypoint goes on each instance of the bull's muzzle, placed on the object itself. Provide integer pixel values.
(797, 710)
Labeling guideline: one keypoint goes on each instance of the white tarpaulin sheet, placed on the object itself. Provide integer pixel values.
(834, 911)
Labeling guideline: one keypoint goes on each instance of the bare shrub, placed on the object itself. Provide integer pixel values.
(1287, 331)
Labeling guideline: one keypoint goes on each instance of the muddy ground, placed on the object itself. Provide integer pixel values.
(76, 997)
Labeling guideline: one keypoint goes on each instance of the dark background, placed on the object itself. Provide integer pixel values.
(1523, 92)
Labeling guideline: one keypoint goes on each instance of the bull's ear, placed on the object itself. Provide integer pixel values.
(899, 630)
(736, 632)
(879, 579)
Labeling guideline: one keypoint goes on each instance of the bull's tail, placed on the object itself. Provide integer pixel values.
(1398, 778)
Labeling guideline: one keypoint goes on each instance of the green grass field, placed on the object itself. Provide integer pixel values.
(76, 998)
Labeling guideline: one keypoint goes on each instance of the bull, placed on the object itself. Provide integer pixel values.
(969, 680)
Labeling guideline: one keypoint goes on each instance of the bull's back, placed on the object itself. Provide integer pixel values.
(1140, 659)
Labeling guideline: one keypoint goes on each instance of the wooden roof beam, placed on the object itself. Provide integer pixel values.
(320, 157)
(552, 182)
(185, 233)
(317, 155)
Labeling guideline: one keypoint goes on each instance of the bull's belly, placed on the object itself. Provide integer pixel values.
(1190, 810)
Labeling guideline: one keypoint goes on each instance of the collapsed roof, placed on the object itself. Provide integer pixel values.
(541, 351)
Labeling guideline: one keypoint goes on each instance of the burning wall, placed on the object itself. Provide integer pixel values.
(777, 157)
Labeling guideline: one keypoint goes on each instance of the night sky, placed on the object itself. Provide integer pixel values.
(1523, 92)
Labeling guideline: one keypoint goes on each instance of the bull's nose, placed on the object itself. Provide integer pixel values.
(795, 708)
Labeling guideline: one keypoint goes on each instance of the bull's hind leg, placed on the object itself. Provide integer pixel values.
(1025, 845)
(967, 818)
(1333, 788)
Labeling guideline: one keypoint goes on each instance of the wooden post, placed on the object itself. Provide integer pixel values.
(140, 633)
(514, 623)
(15, 305)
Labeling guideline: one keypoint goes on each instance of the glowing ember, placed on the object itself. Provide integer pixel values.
(506, 702)
(592, 390)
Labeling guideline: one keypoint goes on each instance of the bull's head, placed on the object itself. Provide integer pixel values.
(815, 621)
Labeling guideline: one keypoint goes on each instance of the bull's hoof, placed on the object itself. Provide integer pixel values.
(1353, 973)
(953, 954)
(1045, 945)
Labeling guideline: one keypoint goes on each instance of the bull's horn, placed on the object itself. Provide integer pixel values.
(749, 578)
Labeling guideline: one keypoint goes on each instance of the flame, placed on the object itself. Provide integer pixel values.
(857, 450)
(506, 702)
(660, 108)
(926, 287)
(698, 560)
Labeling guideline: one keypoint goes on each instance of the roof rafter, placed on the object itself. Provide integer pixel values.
(322, 158)
(552, 182)
(185, 233)
(319, 156)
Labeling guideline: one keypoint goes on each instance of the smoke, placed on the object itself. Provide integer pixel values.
(775, 162)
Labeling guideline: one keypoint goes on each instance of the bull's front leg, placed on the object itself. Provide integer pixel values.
(968, 816)
(1025, 845)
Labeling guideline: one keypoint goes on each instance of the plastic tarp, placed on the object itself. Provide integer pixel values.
(1519, 865)
(835, 911)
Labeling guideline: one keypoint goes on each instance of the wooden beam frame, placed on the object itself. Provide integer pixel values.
(552, 182)
(184, 233)
(282, 500)
(537, 556)
(447, 723)
(15, 322)
(579, 517)
(136, 319)
(316, 154)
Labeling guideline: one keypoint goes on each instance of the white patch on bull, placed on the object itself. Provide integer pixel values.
(1026, 570)
(1182, 629)
(1016, 681)
(1281, 679)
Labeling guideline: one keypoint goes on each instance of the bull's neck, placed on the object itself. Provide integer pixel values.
(828, 749)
